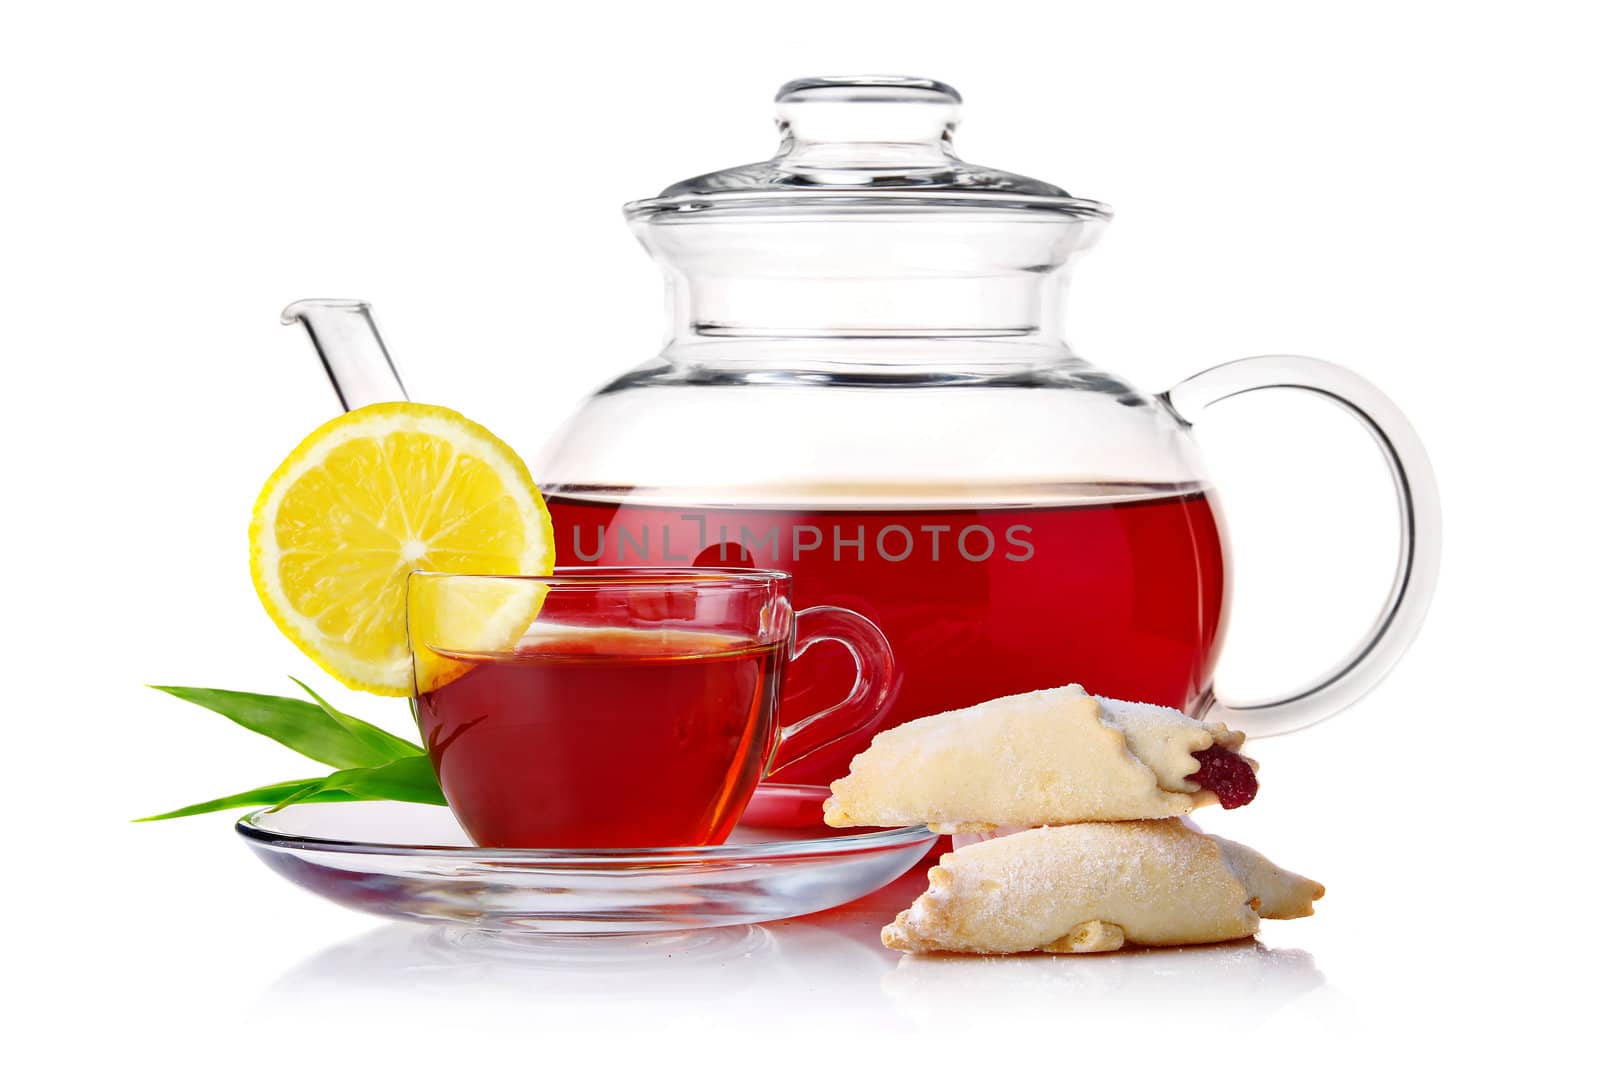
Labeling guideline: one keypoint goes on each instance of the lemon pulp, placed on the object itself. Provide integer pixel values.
(372, 496)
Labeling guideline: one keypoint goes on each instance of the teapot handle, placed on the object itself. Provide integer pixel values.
(1415, 574)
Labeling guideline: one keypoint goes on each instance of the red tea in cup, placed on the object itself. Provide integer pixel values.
(605, 737)
(638, 709)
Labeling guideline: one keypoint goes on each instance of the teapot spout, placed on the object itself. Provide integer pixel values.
(352, 352)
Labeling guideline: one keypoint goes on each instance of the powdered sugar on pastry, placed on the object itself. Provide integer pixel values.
(1095, 887)
(1046, 757)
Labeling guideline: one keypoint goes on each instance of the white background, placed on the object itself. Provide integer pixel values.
(1407, 188)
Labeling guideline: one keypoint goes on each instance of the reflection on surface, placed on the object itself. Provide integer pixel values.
(835, 953)
(752, 970)
(829, 963)
(454, 961)
(1233, 984)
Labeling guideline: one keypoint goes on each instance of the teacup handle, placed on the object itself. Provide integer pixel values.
(1415, 574)
(868, 699)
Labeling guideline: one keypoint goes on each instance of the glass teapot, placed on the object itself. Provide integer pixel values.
(865, 384)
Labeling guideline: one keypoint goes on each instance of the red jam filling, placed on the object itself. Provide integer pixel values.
(1226, 774)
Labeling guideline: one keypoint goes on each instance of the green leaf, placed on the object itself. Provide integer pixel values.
(409, 779)
(258, 797)
(301, 726)
(373, 764)
(384, 745)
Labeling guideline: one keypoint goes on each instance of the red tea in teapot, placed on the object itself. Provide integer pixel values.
(1117, 588)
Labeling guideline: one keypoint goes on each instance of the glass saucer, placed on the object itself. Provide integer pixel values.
(412, 861)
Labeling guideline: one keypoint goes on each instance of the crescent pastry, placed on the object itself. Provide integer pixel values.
(1096, 887)
(1044, 758)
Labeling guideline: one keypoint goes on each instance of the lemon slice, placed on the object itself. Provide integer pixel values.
(374, 495)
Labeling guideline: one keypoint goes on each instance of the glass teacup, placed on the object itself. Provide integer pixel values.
(620, 707)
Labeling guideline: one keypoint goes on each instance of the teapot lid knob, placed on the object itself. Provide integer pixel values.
(867, 109)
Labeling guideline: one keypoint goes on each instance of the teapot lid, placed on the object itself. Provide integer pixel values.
(863, 142)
